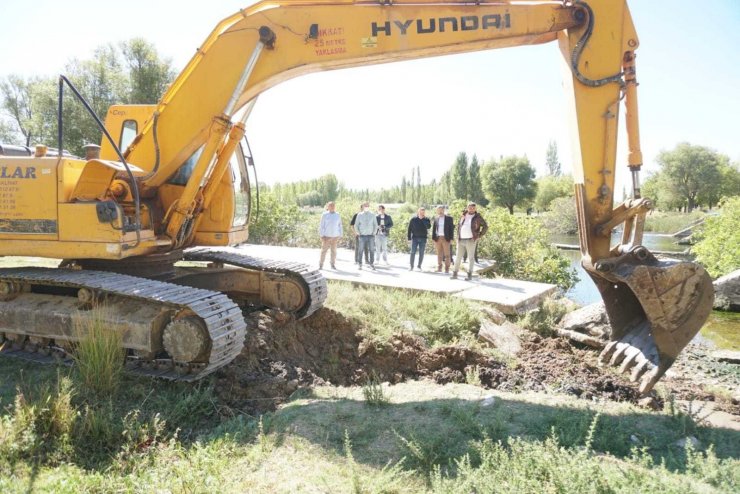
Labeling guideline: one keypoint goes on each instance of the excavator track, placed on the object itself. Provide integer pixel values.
(220, 316)
(310, 280)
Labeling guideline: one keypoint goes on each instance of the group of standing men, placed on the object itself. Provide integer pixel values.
(372, 230)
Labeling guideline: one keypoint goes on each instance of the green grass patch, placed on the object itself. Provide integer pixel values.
(670, 221)
(380, 312)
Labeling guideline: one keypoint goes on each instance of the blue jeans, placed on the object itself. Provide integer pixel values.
(418, 243)
(367, 245)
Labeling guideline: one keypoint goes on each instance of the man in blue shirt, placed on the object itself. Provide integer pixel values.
(330, 231)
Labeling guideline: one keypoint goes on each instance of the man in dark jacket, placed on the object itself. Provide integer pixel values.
(385, 222)
(443, 231)
(417, 234)
(470, 229)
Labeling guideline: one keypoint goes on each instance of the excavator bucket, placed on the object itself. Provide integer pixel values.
(655, 307)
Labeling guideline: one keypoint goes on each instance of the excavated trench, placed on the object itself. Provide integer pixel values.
(282, 355)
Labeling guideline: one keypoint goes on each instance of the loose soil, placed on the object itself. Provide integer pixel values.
(282, 355)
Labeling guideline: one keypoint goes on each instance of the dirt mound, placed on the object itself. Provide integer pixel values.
(282, 355)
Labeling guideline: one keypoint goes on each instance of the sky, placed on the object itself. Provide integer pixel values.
(370, 125)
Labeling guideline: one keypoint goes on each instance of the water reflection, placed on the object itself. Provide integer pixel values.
(585, 292)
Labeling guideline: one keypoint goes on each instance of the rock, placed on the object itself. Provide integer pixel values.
(590, 320)
(501, 336)
(487, 401)
(581, 338)
(681, 443)
(494, 314)
(649, 402)
(727, 356)
(727, 292)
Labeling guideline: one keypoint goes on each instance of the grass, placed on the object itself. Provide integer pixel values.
(425, 438)
(56, 435)
(670, 222)
(98, 351)
(544, 319)
(380, 312)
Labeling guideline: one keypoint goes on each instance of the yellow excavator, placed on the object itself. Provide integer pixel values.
(171, 184)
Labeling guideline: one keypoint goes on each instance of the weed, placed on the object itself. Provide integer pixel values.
(356, 483)
(98, 352)
(472, 375)
(374, 393)
(41, 424)
(543, 319)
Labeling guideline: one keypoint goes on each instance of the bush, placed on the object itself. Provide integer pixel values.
(718, 247)
(521, 249)
(562, 218)
(276, 223)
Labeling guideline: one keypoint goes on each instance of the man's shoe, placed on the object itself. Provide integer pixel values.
(411, 268)
(439, 269)
(359, 266)
(469, 277)
(333, 266)
(321, 266)
(372, 266)
(447, 270)
(454, 275)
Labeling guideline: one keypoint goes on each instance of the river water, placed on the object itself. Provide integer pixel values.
(722, 329)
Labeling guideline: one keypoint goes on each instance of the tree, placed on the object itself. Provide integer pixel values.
(8, 134)
(475, 186)
(730, 180)
(418, 184)
(551, 187)
(403, 188)
(16, 103)
(31, 104)
(509, 182)
(691, 172)
(551, 159)
(459, 176)
(148, 74)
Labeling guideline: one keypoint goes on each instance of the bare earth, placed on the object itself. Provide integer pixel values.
(282, 356)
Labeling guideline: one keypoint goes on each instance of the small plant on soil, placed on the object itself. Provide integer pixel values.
(472, 375)
(374, 393)
(99, 352)
(543, 319)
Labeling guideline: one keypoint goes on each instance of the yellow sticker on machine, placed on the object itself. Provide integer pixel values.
(27, 197)
(370, 42)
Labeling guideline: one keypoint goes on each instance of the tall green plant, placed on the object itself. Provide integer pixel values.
(99, 353)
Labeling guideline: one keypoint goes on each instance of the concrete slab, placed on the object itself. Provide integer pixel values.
(508, 296)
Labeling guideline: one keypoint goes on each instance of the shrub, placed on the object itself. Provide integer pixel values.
(276, 222)
(543, 319)
(718, 248)
(562, 218)
(521, 249)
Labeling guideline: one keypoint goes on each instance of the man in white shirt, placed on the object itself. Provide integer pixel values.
(470, 228)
